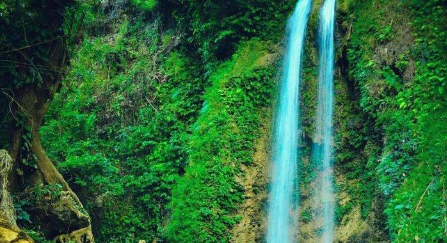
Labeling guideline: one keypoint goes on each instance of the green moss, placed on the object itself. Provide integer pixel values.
(145, 4)
(399, 141)
(119, 126)
(222, 140)
(417, 210)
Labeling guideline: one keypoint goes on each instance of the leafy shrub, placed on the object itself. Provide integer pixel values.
(222, 140)
(410, 168)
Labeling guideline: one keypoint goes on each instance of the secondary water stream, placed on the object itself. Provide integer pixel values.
(323, 149)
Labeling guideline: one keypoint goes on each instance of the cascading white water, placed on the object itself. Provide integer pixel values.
(324, 147)
(284, 191)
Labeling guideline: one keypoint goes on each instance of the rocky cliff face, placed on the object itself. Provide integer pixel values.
(164, 131)
(252, 224)
(360, 211)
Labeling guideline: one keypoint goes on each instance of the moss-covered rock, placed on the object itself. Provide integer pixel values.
(59, 213)
(11, 235)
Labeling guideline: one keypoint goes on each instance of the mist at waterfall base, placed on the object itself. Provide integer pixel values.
(323, 148)
(283, 200)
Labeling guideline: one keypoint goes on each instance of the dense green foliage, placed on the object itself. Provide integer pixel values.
(27, 43)
(162, 103)
(407, 154)
(207, 196)
(26, 36)
(129, 122)
(144, 4)
(119, 129)
(214, 28)
(419, 208)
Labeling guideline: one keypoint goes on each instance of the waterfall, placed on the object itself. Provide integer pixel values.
(323, 148)
(282, 218)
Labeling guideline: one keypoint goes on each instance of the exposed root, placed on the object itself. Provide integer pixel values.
(83, 235)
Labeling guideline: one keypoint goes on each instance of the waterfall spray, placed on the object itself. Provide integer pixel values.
(284, 191)
(324, 146)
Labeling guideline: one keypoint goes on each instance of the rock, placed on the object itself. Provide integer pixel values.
(9, 232)
(79, 236)
(10, 235)
(60, 215)
(252, 224)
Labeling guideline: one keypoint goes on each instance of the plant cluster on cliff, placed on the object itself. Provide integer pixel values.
(127, 127)
(397, 58)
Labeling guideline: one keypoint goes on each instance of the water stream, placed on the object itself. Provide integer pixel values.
(323, 148)
(283, 201)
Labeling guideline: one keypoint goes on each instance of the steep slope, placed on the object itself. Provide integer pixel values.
(163, 121)
(151, 98)
(381, 58)
(398, 89)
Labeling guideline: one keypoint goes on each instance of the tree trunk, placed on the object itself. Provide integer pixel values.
(31, 102)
